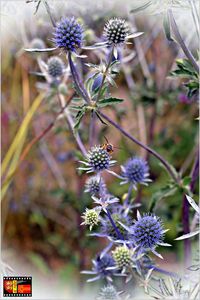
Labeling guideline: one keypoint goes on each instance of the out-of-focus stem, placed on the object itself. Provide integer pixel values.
(151, 151)
(70, 122)
(185, 210)
(142, 127)
(120, 236)
(48, 9)
(187, 161)
(151, 128)
(128, 194)
(181, 42)
(52, 165)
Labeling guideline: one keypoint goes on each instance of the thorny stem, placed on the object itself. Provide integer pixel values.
(120, 236)
(105, 73)
(151, 151)
(71, 125)
(92, 129)
(181, 42)
(77, 81)
(185, 208)
(159, 270)
(128, 194)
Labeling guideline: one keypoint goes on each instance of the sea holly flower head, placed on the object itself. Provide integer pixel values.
(37, 43)
(135, 170)
(91, 218)
(147, 233)
(109, 292)
(116, 30)
(55, 67)
(116, 33)
(122, 256)
(68, 34)
(97, 160)
(102, 268)
(95, 185)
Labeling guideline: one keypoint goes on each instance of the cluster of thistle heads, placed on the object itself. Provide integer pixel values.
(130, 240)
(68, 36)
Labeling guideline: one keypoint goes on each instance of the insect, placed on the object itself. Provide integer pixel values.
(107, 146)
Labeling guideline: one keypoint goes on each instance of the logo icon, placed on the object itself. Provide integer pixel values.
(17, 286)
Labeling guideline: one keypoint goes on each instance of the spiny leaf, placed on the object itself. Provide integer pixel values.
(187, 235)
(79, 117)
(109, 101)
(141, 8)
(41, 50)
(99, 117)
(193, 204)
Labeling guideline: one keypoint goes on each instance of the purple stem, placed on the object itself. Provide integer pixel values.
(120, 236)
(186, 207)
(92, 129)
(126, 202)
(77, 81)
(159, 270)
(151, 151)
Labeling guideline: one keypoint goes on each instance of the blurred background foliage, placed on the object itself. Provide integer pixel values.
(42, 207)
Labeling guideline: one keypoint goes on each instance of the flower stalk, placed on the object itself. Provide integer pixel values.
(71, 124)
(120, 236)
(174, 176)
(77, 81)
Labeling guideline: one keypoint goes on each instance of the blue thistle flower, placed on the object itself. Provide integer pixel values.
(97, 160)
(136, 170)
(102, 268)
(68, 34)
(95, 185)
(147, 233)
(55, 67)
(109, 292)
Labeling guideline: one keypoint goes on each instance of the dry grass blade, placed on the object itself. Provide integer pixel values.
(10, 161)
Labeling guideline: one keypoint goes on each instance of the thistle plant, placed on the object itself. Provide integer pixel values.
(129, 242)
